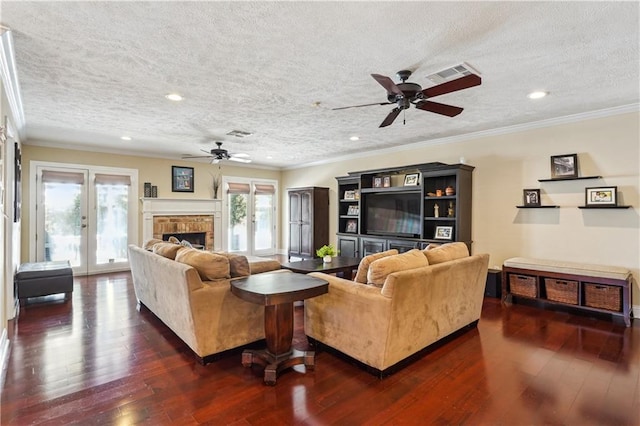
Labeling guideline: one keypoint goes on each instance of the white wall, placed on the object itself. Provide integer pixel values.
(508, 163)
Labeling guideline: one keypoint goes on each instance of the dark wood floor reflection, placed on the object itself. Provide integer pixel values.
(97, 360)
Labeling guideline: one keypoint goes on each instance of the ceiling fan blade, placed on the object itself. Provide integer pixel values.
(391, 117)
(358, 106)
(448, 110)
(184, 157)
(240, 160)
(388, 84)
(452, 86)
(215, 161)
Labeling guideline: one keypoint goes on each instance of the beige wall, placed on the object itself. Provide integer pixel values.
(507, 164)
(154, 170)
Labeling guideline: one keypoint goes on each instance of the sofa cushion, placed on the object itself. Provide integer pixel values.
(166, 249)
(379, 269)
(363, 268)
(148, 245)
(446, 252)
(210, 266)
(238, 265)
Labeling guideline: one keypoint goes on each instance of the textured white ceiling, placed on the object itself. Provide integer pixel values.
(91, 72)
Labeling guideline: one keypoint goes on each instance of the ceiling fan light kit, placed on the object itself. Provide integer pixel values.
(405, 94)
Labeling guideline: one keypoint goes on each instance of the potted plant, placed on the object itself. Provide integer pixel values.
(327, 252)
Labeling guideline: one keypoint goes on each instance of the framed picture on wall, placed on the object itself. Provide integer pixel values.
(602, 196)
(181, 179)
(531, 197)
(564, 166)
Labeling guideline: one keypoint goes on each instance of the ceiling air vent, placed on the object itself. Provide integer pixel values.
(452, 73)
(239, 133)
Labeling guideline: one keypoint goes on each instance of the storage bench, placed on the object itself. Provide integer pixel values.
(596, 288)
(43, 279)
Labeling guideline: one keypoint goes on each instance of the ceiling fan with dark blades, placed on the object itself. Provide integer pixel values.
(219, 153)
(406, 93)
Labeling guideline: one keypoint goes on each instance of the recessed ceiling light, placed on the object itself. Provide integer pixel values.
(269, 157)
(354, 138)
(537, 95)
(125, 138)
(174, 97)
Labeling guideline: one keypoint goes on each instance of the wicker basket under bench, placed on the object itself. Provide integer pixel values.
(605, 289)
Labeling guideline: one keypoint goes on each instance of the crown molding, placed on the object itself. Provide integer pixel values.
(556, 121)
(10, 80)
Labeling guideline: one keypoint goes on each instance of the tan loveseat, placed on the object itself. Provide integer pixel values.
(192, 296)
(406, 303)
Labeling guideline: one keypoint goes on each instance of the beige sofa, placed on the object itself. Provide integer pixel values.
(192, 296)
(407, 302)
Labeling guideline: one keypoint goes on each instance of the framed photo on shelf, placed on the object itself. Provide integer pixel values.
(377, 182)
(443, 233)
(353, 211)
(357, 194)
(411, 179)
(531, 197)
(351, 226)
(386, 181)
(349, 195)
(564, 166)
(601, 196)
(181, 179)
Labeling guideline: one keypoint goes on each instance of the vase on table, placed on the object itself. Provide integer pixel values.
(326, 259)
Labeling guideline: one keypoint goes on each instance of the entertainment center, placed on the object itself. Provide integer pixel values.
(404, 208)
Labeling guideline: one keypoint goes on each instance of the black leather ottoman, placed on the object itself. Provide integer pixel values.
(43, 279)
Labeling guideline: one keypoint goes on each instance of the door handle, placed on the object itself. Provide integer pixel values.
(84, 225)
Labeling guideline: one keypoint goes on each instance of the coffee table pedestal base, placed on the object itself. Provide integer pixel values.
(275, 364)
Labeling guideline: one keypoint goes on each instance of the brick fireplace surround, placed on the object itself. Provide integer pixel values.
(168, 215)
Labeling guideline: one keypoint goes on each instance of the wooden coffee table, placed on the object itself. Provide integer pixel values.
(277, 292)
(339, 265)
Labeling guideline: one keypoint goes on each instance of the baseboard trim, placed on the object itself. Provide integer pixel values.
(4, 357)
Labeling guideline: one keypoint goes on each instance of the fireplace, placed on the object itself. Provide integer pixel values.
(183, 216)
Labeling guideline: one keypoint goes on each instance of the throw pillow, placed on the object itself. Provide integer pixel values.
(173, 240)
(379, 269)
(166, 249)
(148, 245)
(210, 266)
(446, 252)
(363, 268)
(238, 265)
(186, 243)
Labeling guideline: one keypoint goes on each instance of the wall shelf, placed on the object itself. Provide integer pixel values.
(538, 207)
(604, 207)
(573, 178)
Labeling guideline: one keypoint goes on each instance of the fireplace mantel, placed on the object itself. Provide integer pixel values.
(181, 207)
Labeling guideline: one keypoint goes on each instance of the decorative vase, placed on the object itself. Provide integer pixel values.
(326, 259)
(449, 190)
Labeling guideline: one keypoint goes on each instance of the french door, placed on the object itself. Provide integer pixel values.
(85, 215)
(250, 216)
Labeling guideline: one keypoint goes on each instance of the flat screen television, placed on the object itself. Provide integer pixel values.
(393, 214)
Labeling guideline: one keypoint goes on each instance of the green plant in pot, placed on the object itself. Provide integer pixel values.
(327, 252)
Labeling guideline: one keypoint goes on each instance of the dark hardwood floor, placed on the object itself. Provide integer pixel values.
(98, 360)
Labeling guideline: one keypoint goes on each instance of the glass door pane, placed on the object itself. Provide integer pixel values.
(264, 224)
(63, 224)
(238, 222)
(112, 203)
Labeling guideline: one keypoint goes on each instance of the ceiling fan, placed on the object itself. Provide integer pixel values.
(217, 154)
(406, 93)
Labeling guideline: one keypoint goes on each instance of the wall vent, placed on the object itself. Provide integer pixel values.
(452, 73)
